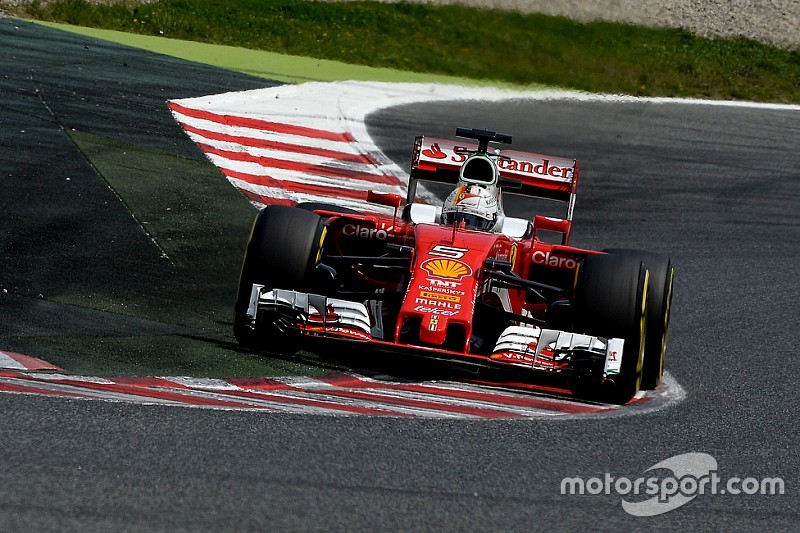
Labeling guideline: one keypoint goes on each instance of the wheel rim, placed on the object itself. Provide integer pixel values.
(642, 332)
(667, 306)
(319, 245)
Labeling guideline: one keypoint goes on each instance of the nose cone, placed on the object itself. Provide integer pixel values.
(433, 330)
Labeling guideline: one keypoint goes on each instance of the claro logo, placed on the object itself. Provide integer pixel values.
(354, 230)
(547, 259)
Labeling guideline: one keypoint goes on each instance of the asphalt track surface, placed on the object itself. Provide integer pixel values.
(716, 187)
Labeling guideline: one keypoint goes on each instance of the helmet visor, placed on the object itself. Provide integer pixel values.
(470, 221)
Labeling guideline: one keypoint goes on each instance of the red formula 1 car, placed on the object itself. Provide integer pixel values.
(462, 282)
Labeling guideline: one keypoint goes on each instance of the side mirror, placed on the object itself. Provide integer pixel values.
(385, 198)
(556, 225)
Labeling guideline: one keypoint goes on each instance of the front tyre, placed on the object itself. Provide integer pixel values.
(282, 252)
(611, 301)
(659, 302)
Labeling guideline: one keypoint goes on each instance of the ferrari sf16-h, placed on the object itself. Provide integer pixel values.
(462, 282)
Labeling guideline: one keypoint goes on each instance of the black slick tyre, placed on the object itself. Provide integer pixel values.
(282, 252)
(611, 301)
(659, 303)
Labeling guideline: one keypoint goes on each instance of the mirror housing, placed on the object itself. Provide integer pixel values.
(557, 225)
(385, 198)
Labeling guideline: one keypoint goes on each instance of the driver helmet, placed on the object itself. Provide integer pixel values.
(474, 205)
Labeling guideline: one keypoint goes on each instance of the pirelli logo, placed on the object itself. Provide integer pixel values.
(440, 296)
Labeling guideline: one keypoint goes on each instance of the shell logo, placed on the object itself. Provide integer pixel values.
(446, 268)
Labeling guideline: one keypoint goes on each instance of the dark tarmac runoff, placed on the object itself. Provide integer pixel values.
(110, 250)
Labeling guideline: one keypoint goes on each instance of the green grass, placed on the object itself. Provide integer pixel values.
(269, 65)
(204, 245)
(465, 42)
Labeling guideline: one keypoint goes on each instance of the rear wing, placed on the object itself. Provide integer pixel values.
(528, 174)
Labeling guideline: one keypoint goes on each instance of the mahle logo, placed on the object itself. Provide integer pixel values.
(691, 475)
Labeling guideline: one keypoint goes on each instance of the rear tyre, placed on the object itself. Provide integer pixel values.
(659, 302)
(282, 252)
(611, 301)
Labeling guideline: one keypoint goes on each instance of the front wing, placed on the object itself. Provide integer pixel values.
(528, 348)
